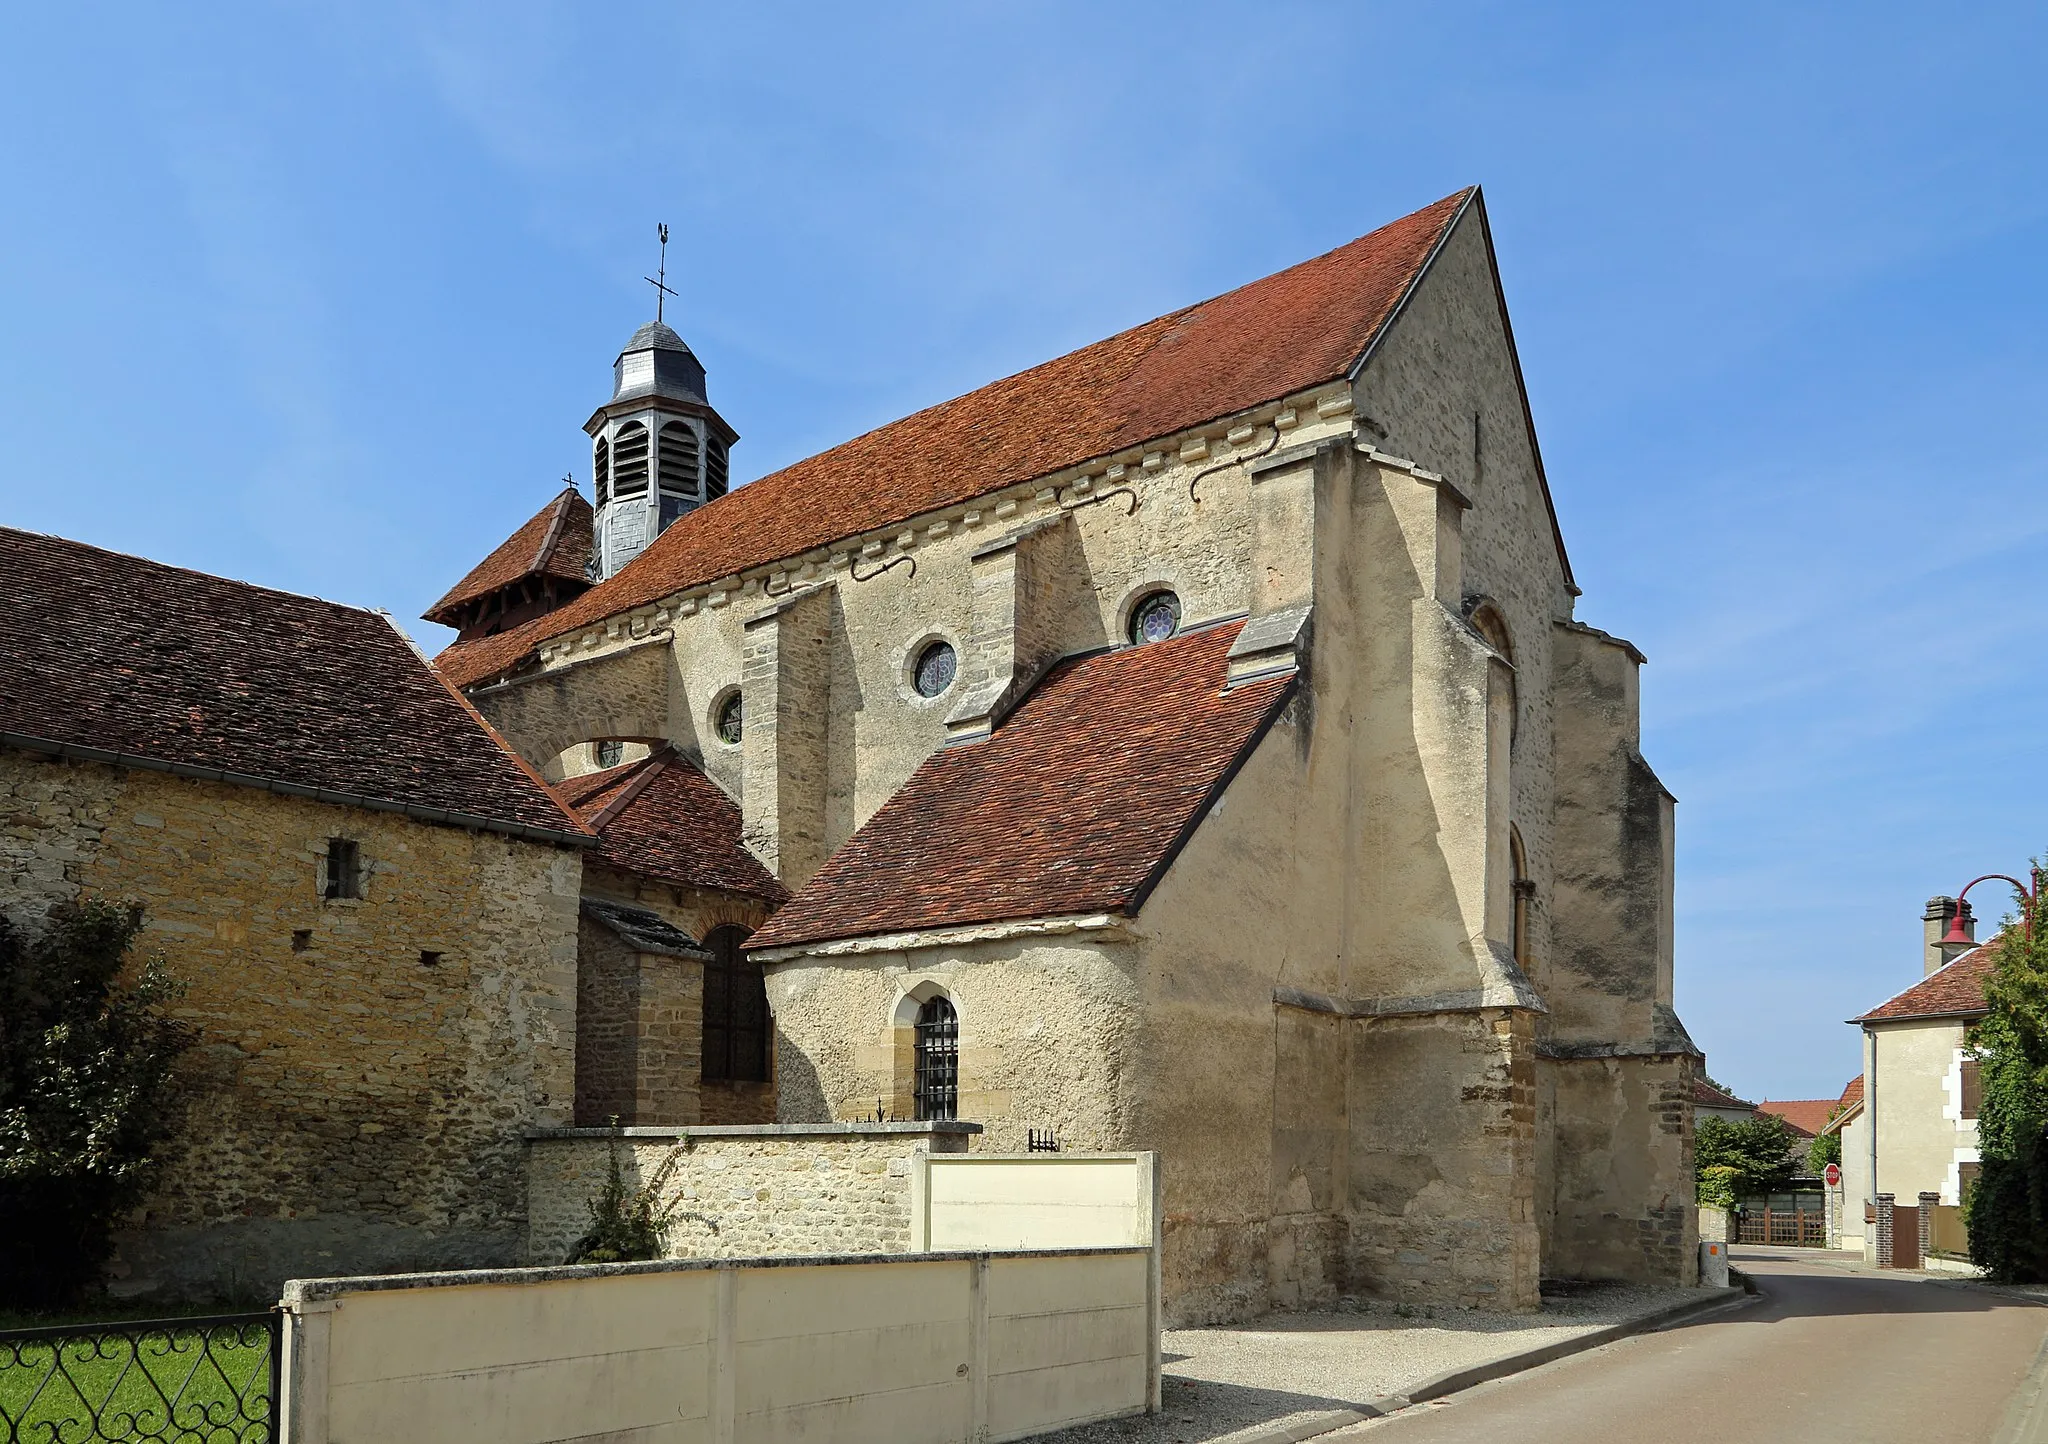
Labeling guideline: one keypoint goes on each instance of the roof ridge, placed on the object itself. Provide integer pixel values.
(561, 517)
(163, 566)
(648, 768)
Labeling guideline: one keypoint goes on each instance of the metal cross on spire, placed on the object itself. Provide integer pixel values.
(659, 280)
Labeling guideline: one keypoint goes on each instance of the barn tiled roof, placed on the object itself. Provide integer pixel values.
(1075, 804)
(112, 654)
(662, 818)
(555, 542)
(1707, 1095)
(1953, 991)
(1301, 328)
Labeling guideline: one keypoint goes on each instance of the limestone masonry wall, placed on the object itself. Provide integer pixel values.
(366, 1067)
(745, 1191)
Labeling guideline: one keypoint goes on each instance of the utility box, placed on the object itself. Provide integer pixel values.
(1713, 1264)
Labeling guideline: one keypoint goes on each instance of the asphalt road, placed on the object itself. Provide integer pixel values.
(1826, 1355)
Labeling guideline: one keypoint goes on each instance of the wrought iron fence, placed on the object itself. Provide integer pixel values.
(207, 1380)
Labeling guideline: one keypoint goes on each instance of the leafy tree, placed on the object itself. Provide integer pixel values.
(2007, 1212)
(1758, 1149)
(1826, 1148)
(87, 1095)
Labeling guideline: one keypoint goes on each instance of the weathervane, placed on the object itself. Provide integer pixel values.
(659, 280)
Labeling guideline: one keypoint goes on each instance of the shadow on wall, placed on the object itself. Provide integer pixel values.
(799, 1095)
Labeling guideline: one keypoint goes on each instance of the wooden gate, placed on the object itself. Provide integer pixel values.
(1905, 1237)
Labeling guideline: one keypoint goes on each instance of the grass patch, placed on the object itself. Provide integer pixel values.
(177, 1382)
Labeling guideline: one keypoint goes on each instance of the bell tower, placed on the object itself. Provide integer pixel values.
(658, 450)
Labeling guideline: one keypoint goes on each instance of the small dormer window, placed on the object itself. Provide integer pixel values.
(344, 869)
(1155, 618)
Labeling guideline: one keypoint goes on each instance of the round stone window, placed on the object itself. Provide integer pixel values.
(1156, 618)
(937, 665)
(731, 720)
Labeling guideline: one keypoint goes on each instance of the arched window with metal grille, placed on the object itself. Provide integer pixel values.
(737, 1025)
(936, 1086)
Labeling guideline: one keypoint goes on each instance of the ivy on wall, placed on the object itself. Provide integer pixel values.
(2007, 1210)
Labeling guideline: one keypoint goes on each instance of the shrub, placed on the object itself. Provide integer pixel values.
(2007, 1212)
(628, 1225)
(1826, 1148)
(87, 1095)
(1717, 1186)
(1758, 1150)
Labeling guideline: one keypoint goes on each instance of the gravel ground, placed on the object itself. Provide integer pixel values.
(1222, 1383)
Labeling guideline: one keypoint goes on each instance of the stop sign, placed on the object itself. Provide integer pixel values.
(1832, 1175)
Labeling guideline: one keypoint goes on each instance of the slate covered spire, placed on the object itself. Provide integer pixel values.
(658, 450)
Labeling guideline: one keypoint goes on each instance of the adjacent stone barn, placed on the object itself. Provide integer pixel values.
(1189, 744)
(372, 902)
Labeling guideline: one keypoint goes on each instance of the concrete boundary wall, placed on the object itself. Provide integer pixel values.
(1034, 1200)
(897, 1350)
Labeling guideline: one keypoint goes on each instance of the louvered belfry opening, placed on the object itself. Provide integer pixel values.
(737, 1025)
(714, 470)
(678, 464)
(936, 1088)
(601, 471)
(629, 460)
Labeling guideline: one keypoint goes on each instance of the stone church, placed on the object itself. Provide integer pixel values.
(1187, 744)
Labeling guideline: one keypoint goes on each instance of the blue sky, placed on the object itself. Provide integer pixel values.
(319, 297)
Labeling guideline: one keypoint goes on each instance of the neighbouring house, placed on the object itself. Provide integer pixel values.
(1909, 1123)
(1804, 1116)
(1187, 744)
(371, 900)
(1710, 1100)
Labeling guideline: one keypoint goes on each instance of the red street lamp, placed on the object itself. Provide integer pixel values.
(2027, 896)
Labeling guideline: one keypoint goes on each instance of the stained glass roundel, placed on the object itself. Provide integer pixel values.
(937, 665)
(1156, 618)
(731, 716)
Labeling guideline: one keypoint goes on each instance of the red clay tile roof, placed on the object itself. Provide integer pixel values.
(1303, 327)
(555, 542)
(1076, 804)
(1806, 1115)
(1852, 1091)
(660, 817)
(116, 654)
(1707, 1095)
(1954, 991)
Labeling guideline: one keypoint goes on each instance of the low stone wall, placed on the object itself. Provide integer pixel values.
(760, 1190)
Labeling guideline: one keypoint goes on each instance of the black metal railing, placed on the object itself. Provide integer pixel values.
(207, 1380)
(1041, 1140)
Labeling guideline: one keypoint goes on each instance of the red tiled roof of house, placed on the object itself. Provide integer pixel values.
(1300, 328)
(1953, 991)
(1805, 1115)
(1707, 1095)
(115, 654)
(555, 542)
(1076, 804)
(662, 818)
(1852, 1091)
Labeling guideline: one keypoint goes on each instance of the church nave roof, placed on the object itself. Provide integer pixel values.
(1287, 333)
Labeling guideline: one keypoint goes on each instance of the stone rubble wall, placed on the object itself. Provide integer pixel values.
(740, 1192)
(353, 1107)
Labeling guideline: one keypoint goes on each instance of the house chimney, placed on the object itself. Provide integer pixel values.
(1936, 923)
